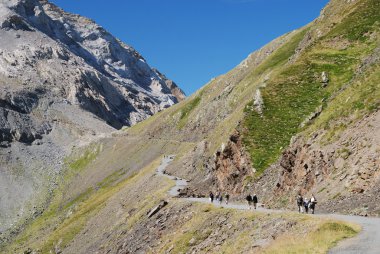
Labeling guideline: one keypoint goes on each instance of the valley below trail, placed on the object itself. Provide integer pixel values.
(367, 241)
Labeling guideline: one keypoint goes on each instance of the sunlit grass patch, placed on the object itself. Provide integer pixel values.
(321, 240)
(59, 224)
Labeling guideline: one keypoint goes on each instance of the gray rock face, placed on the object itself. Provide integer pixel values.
(77, 60)
(63, 80)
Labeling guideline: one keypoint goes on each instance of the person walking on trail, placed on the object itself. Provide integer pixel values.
(306, 205)
(249, 201)
(313, 202)
(226, 197)
(220, 199)
(217, 196)
(300, 203)
(255, 201)
(211, 195)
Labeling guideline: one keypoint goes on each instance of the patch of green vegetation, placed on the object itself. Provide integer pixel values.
(114, 178)
(106, 183)
(88, 156)
(61, 223)
(322, 190)
(287, 103)
(288, 100)
(337, 227)
(281, 56)
(321, 240)
(187, 109)
(362, 21)
(238, 244)
(79, 199)
(360, 98)
(191, 238)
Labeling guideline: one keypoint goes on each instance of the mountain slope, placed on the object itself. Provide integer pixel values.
(276, 125)
(63, 80)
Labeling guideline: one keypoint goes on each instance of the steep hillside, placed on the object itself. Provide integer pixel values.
(298, 115)
(332, 116)
(63, 80)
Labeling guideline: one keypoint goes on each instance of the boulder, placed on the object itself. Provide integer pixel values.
(157, 208)
(325, 79)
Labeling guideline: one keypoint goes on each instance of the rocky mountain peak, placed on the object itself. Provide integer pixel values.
(115, 74)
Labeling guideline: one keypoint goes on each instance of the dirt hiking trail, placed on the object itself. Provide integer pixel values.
(366, 242)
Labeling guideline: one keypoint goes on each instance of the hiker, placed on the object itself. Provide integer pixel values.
(211, 195)
(249, 201)
(313, 202)
(227, 197)
(306, 205)
(254, 200)
(220, 199)
(217, 196)
(300, 203)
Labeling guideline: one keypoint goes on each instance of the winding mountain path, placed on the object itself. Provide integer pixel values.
(366, 242)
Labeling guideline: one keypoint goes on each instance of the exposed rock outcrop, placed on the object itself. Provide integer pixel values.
(325, 79)
(175, 90)
(232, 166)
(258, 102)
(228, 170)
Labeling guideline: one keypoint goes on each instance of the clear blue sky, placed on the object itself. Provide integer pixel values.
(192, 41)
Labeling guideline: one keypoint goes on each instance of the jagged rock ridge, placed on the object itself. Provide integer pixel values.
(79, 62)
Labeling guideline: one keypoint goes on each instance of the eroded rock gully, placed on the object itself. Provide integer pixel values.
(232, 166)
(303, 167)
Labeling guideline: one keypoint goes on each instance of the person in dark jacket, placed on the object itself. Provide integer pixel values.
(313, 202)
(306, 205)
(217, 196)
(300, 203)
(220, 199)
(255, 201)
(227, 197)
(211, 195)
(249, 201)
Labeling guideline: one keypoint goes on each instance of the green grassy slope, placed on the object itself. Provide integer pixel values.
(296, 91)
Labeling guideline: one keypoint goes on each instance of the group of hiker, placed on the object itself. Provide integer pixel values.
(304, 204)
(252, 199)
(219, 197)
